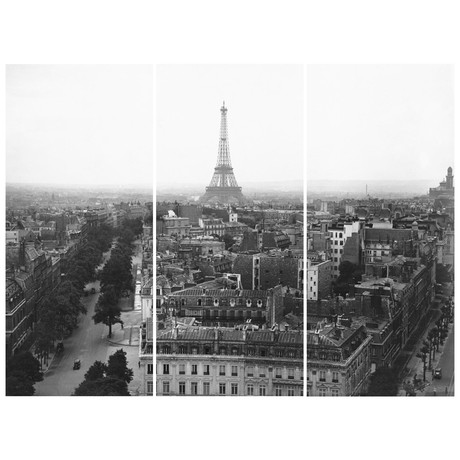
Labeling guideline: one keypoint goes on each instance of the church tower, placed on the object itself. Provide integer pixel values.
(449, 179)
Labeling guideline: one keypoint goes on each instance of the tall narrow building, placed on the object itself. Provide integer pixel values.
(223, 187)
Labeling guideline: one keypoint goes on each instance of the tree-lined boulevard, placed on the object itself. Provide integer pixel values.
(74, 318)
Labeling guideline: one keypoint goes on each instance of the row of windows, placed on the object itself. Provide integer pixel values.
(223, 302)
(233, 371)
(232, 389)
(325, 392)
(375, 253)
(322, 376)
(235, 351)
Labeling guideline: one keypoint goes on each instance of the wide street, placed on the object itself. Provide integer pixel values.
(89, 342)
(446, 363)
(444, 359)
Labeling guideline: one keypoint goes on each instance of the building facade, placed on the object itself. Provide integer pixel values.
(198, 361)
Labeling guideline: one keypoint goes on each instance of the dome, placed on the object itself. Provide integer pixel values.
(449, 170)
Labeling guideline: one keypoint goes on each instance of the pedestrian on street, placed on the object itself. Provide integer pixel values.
(446, 391)
(139, 364)
(434, 391)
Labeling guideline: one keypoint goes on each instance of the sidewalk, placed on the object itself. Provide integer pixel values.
(128, 339)
(46, 363)
(128, 335)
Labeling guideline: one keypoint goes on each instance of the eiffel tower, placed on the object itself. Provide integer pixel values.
(223, 187)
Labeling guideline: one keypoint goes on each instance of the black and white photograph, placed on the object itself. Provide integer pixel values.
(380, 230)
(299, 159)
(79, 240)
(229, 230)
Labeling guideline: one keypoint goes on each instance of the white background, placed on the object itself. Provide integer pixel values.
(228, 32)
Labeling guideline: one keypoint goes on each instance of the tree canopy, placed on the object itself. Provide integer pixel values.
(117, 366)
(442, 274)
(108, 309)
(22, 372)
(109, 379)
(383, 382)
(350, 273)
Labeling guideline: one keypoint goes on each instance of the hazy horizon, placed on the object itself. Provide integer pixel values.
(372, 187)
(78, 185)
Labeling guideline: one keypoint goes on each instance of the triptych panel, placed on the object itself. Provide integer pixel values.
(229, 230)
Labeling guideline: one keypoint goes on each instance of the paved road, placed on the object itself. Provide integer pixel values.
(446, 363)
(88, 343)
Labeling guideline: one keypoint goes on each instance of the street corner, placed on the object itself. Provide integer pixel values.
(125, 336)
(131, 318)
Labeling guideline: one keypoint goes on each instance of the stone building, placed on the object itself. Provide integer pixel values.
(219, 305)
(338, 360)
(318, 279)
(19, 314)
(264, 271)
(446, 187)
(199, 361)
(146, 357)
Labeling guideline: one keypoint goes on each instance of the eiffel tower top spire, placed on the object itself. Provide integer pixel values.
(223, 157)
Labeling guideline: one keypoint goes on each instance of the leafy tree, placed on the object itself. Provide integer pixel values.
(107, 308)
(135, 225)
(383, 382)
(107, 379)
(22, 372)
(26, 363)
(78, 275)
(228, 240)
(422, 354)
(341, 288)
(19, 385)
(350, 273)
(44, 340)
(442, 274)
(117, 366)
(69, 290)
(96, 371)
(60, 311)
(117, 272)
(106, 386)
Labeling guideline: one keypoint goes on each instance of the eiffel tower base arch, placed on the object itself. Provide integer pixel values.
(223, 195)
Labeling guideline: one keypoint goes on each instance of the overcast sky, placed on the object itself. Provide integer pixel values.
(265, 122)
(79, 124)
(380, 122)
